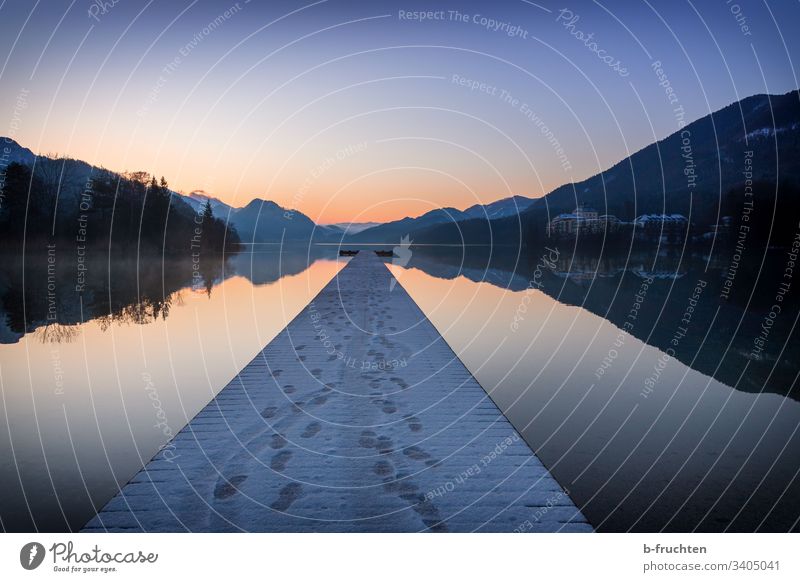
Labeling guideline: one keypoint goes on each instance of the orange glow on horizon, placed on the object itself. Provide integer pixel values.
(361, 194)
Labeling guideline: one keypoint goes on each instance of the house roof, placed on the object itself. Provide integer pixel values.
(660, 217)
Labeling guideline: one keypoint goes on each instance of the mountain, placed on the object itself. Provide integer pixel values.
(698, 171)
(449, 219)
(499, 209)
(68, 175)
(11, 151)
(263, 221)
(259, 221)
(60, 198)
(351, 227)
(701, 161)
(197, 200)
(71, 175)
(395, 230)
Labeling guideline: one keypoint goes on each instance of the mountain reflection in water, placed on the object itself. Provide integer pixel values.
(705, 438)
(48, 296)
(92, 389)
(652, 419)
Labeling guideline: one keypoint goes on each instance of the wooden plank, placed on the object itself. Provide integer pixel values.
(357, 417)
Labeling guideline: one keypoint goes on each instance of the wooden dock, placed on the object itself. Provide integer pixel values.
(357, 417)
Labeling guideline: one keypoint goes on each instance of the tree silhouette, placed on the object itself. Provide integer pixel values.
(121, 212)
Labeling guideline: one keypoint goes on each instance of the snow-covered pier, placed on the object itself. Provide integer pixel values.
(357, 417)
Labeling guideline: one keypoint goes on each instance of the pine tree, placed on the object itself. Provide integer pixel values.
(208, 213)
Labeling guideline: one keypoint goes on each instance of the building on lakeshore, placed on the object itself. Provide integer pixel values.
(583, 220)
(667, 227)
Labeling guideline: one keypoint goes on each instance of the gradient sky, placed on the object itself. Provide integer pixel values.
(346, 111)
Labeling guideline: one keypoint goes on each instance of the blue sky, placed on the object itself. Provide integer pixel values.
(363, 110)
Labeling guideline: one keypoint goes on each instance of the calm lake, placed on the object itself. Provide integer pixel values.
(653, 396)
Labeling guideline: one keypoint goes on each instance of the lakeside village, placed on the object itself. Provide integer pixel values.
(663, 228)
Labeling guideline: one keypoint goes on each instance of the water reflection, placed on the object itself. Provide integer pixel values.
(94, 382)
(648, 293)
(632, 378)
(653, 415)
(41, 293)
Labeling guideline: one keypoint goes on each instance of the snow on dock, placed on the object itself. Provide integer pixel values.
(357, 417)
